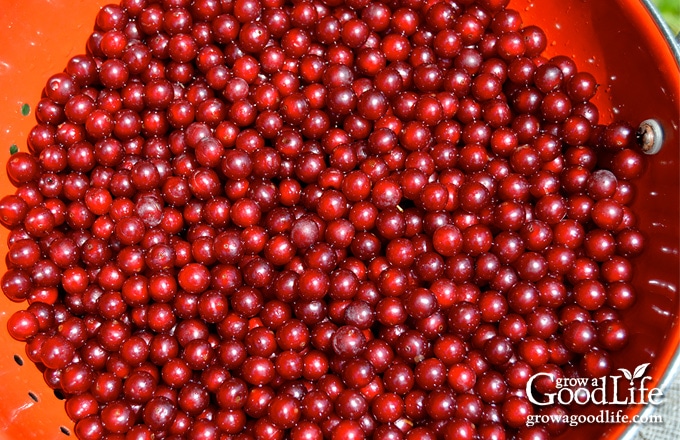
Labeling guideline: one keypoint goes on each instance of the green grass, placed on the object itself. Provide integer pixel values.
(670, 10)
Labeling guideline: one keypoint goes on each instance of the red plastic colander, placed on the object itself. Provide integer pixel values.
(620, 41)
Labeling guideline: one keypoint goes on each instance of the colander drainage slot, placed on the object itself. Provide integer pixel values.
(33, 396)
(18, 360)
(64, 430)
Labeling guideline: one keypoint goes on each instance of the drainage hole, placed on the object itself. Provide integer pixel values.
(64, 430)
(33, 396)
(18, 360)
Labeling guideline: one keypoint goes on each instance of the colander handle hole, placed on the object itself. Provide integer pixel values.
(19, 360)
(33, 396)
(650, 136)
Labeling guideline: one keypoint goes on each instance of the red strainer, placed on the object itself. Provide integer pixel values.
(620, 41)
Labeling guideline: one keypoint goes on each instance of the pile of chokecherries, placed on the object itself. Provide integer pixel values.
(264, 219)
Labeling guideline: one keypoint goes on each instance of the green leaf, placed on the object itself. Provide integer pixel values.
(670, 11)
(668, 6)
(13, 149)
